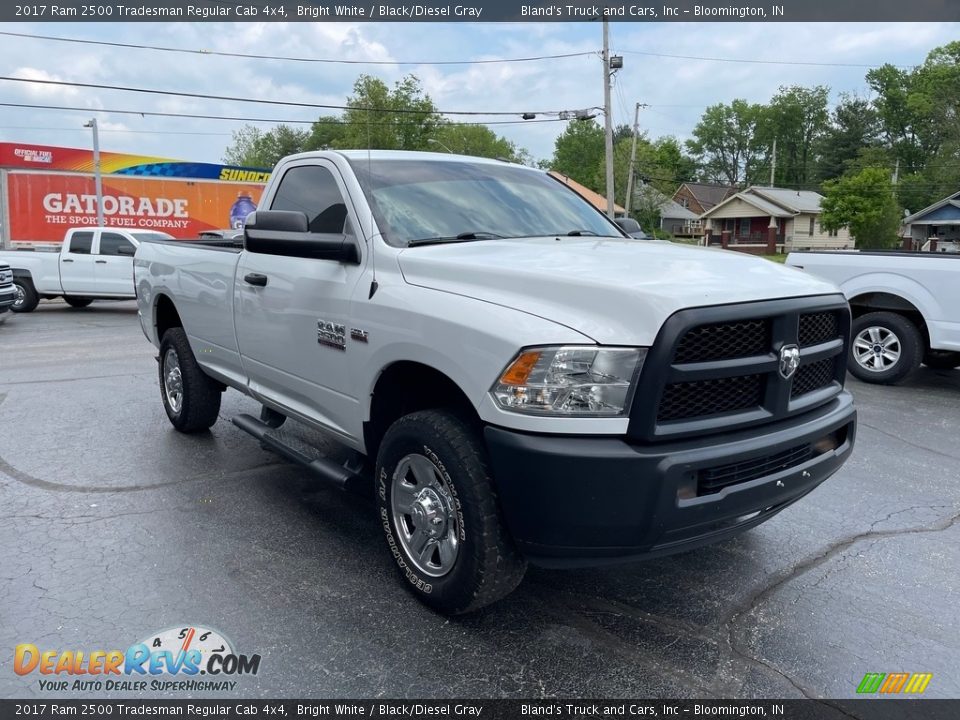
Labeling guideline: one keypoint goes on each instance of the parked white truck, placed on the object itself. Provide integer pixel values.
(93, 264)
(905, 306)
(525, 382)
(8, 293)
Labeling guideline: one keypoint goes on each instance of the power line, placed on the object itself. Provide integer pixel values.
(288, 58)
(764, 62)
(285, 121)
(286, 103)
(110, 130)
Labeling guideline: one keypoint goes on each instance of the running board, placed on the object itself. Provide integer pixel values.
(295, 449)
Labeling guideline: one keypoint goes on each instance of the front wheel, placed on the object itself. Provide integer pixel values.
(886, 347)
(190, 397)
(26, 298)
(77, 302)
(440, 515)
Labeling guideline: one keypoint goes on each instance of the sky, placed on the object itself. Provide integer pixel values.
(676, 90)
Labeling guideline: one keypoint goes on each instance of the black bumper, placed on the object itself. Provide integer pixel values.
(579, 501)
(7, 298)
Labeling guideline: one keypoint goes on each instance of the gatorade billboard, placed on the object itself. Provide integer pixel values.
(51, 189)
(43, 206)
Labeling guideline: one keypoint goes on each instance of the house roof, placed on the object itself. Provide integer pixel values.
(777, 202)
(709, 194)
(672, 209)
(949, 200)
(595, 199)
(797, 200)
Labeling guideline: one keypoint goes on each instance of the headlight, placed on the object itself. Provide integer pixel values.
(570, 380)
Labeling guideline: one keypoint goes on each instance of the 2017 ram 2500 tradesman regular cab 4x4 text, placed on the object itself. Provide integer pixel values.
(906, 308)
(529, 383)
(93, 263)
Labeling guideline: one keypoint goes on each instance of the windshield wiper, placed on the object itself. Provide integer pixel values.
(578, 233)
(462, 237)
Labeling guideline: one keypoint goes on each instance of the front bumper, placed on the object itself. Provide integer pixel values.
(8, 296)
(578, 501)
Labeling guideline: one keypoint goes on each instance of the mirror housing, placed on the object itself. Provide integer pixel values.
(126, 250)
(628, 225)
(287, 233)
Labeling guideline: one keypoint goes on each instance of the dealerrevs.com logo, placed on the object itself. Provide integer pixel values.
(187, 658)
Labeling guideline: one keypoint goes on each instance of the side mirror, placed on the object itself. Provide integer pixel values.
(127, 250)
(628, 225)
(287, 233)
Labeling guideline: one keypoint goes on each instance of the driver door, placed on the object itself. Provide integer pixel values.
(282, 302)
(77, 276)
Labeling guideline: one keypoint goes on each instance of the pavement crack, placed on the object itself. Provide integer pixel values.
(902, 439)
(740, 649)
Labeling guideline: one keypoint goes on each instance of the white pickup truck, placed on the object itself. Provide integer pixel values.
(525, 381)
(906, 308)
(93, 263)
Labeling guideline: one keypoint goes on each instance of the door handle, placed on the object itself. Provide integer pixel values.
(255, 279)
(66, 260)
(101, 262)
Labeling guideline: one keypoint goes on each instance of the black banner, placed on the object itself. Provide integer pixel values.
(481, 10)
(873, 709)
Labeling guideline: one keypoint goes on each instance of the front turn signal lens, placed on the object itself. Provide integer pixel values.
(519, 370)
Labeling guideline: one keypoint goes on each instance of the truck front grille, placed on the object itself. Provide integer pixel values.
(718, 368)
(719, 341)
(710, 397)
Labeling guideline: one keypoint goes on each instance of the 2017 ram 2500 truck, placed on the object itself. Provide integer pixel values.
(93, 263)
(529, 383)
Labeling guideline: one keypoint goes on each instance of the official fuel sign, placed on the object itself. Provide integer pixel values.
(42, 206)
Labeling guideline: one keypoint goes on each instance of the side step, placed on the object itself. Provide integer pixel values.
(296, 449)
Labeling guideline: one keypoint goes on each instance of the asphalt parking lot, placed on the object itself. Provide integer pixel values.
(114, 526)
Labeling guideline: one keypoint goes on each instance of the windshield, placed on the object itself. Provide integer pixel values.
(442, 199)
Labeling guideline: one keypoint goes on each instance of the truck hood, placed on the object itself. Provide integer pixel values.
(617, 292)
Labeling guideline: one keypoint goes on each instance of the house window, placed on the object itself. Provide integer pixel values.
(811, 225)
(684, 202)
(744, 227)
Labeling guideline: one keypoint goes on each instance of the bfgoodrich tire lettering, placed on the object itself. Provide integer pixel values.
(190, 397)
(487, 566)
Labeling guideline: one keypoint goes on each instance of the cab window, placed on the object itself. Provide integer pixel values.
(312, 189)
(111, 244)
(80, 243)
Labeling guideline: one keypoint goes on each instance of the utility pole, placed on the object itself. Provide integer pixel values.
(608, 116)
(96, 170)
(773, 162)
(633, 157)
(896, 173)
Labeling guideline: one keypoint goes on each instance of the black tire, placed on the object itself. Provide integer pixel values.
(881, 327)
(486, 566)
(29, 298)
(77, 302)
(942, 359)
(199, 395)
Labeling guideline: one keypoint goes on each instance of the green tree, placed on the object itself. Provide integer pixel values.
(380, 118)
(796, 118)
(725, 142)
(865, 203)
(579, 152)
(477, 140)
(253, 147)
(854, 125)
(326, 132)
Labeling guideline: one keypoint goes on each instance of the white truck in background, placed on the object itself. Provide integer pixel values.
(94, 263)
(905, 306)
(510, 375)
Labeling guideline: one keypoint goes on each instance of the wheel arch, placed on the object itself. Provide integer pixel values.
(893, 293)
(165, 315)
(882, 301)
(406, 386)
